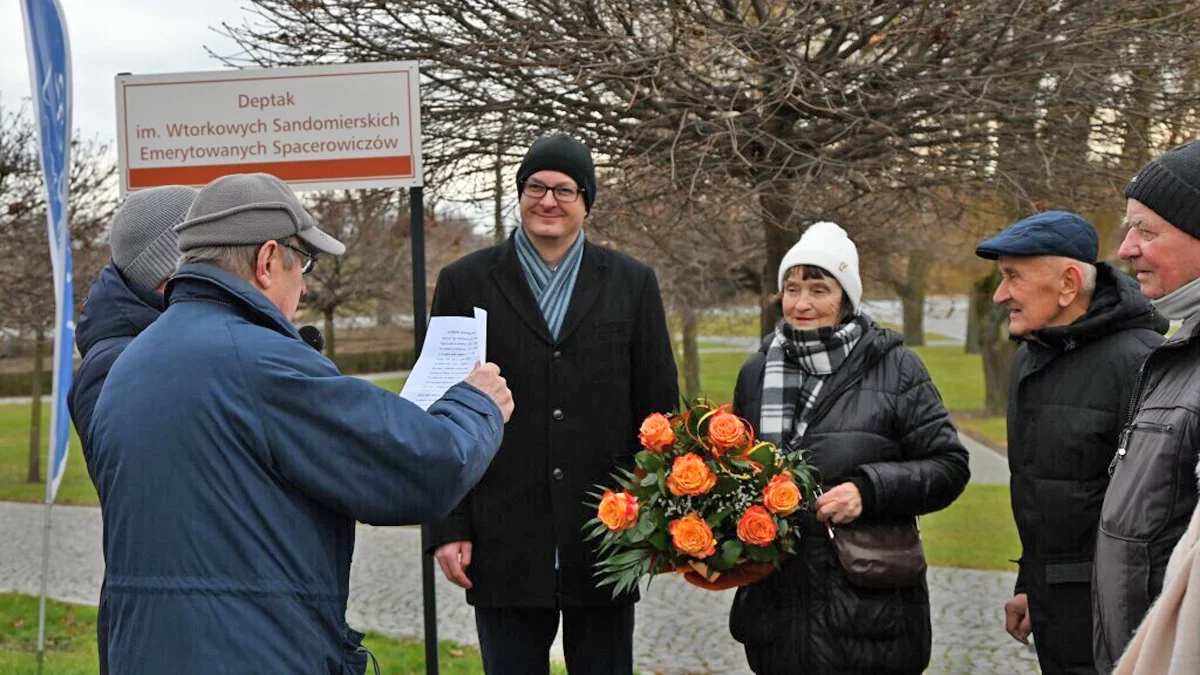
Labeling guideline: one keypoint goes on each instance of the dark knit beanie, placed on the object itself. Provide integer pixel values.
(1170, 186)
(564, 154)
(143, 242)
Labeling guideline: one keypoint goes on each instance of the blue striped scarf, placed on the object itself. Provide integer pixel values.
(551, 288)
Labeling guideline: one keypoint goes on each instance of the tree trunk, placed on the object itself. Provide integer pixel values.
(973, 340)
(498, 228)
(691, 352)
(330, 340)
(912, 300)
(997, 350)
(35, 416)
(779, 235)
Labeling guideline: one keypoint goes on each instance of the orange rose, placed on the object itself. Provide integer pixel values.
(757, 527)
(781, 495)
(656, 433)
(726, 431)
(692, 536)
(618, 511)
(690, 476)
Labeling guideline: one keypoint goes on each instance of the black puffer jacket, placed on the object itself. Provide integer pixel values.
(1066, 402)
(880, 422)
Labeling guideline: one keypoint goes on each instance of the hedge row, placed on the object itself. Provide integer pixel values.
(21, 384)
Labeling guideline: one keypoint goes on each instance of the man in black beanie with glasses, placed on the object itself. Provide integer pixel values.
(580, 333)
(1153, 491)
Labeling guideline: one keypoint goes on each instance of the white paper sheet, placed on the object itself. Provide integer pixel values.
(453, 344)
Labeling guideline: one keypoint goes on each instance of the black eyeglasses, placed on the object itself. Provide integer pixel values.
(310, 259)
(563, 194)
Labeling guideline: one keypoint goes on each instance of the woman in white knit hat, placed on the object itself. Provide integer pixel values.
(833, 384)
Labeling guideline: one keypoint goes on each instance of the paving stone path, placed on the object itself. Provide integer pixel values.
(680, 629)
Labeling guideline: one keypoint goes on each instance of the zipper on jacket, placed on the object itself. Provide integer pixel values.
(1135, 399)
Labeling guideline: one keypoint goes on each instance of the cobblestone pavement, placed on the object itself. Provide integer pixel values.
(680, 629)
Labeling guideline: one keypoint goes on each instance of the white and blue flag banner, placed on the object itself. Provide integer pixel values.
(50, 72)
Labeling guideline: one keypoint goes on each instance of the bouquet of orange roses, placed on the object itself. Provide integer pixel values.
(705, 499)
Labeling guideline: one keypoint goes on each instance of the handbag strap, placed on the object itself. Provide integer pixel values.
(828, 527)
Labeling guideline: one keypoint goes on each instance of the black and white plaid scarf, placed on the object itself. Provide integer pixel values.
(798, 363)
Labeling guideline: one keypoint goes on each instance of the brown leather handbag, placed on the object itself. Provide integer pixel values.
(880, 554)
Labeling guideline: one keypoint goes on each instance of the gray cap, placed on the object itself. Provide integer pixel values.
(143, 242)
(250, 208)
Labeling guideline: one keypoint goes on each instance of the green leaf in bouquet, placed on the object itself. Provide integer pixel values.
(763, 454)
(725, 485)
(650, 461)
(658, 540)
(643, 530)
(715, 519)
(648, 480)
(762, 553)
(782, 525)
(787, 547)
(730, 552)
(740, 464)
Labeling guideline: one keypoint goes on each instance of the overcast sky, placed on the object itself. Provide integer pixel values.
(117, 36)
(139, 37)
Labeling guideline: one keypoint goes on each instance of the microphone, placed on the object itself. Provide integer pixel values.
(312, 337)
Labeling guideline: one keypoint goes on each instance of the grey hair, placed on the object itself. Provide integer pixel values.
(240, 259)
(1088, 271)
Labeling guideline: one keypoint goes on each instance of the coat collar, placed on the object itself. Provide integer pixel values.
(203, 282)
(510, 279)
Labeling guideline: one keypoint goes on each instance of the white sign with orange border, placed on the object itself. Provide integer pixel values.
(315, 127)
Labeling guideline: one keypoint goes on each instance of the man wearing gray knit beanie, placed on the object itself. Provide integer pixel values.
(124, 300)
(126, 296)
(1153, 491)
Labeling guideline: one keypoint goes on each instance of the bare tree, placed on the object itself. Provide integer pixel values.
(373, 224)
(27, 303)
(704, 247)
(779, 97)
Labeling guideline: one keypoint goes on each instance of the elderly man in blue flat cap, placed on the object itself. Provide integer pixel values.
(1084, 328)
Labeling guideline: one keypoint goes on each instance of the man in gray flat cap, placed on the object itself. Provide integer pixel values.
(232, 460)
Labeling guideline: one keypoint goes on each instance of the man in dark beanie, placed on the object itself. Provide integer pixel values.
(1153, 490)
(580, 333)
(1083, 330)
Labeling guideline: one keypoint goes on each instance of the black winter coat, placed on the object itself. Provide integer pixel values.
(579, 401)
(880, 422)
(1066, 401)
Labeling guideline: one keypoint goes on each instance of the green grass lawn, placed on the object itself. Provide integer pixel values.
(991, 430)
(71, 643)
(976, 531)
(76, 487)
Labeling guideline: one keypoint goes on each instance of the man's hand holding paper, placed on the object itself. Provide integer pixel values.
(486, 378)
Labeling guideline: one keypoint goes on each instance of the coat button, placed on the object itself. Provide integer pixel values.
(557, 473)
(556, 355)
(557, 415)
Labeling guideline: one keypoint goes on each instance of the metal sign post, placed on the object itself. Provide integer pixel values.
(416, 198)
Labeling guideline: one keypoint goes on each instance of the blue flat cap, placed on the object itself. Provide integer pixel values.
(1057, 233)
